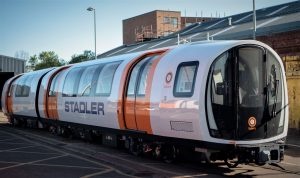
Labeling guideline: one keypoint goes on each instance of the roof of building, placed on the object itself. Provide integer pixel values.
(11, 58)
(271, 20)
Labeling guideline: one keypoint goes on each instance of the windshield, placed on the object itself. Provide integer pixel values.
(245, 95)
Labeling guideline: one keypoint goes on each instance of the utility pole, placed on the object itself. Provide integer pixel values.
(254, 21)
(93, 9)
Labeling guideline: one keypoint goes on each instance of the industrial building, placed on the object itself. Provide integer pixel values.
(10, 66)
(278, 26)
(156, 24)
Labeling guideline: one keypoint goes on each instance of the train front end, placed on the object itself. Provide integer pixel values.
(247, 104)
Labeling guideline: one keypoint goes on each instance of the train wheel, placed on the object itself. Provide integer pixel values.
(170, 154)
(157, 153)
(135, 147)
(231, 163)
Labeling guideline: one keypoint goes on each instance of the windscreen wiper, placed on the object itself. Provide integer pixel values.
(274, 113)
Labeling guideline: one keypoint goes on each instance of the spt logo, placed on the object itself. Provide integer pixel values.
(252, 123)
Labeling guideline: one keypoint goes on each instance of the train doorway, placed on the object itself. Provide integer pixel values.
(137, 93)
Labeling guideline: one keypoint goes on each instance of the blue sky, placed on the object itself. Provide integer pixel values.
(66, 27)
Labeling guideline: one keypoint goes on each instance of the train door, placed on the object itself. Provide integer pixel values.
(9, 97)
(260, 105)
(51, 94)
(137, 93)
(250, 92)
(51, 101)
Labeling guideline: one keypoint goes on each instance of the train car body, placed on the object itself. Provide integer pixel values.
(23, 93)
(219, 97)
(6, 97)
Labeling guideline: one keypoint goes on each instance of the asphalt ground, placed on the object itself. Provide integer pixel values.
(36, 153)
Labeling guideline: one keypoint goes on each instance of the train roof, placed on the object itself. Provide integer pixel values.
(39, 72)
(275, 19)
(209, 49)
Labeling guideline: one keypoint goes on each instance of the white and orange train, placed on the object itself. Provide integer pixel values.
(223, 99)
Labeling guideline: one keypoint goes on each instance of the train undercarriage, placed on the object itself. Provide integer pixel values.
(141, 144)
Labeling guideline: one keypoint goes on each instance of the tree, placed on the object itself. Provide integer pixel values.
(86, 56)
(31, 63)
(45, 59)
(21, 54)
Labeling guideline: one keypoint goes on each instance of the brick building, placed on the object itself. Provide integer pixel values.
(155, 24)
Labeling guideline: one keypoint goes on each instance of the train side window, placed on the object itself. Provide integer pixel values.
(133, 78)
(85, 84)
(105, 79)
(144, 76)
(27, 86)
(71, 82)
(23, 86)
(185, 79)
(19, 87)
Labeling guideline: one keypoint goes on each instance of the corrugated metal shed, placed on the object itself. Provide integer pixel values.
(11, 64)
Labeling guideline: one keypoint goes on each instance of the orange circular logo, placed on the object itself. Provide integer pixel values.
(252, 122)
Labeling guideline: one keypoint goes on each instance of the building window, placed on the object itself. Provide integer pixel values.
(185, 79)
(188, 24)
(173, 21)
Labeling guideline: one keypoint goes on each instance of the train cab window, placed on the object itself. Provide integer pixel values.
(251, 73)
(185, 79)
(105, 79)
(220, 114)
(85, 84)
(275, 90)
(274, 79)
(71, 82)
(221, 85)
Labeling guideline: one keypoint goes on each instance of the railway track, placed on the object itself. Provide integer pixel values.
(118, 162)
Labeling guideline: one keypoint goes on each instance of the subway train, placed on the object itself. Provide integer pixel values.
(214, 100)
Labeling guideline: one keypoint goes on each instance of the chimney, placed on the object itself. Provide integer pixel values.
(229, 21)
